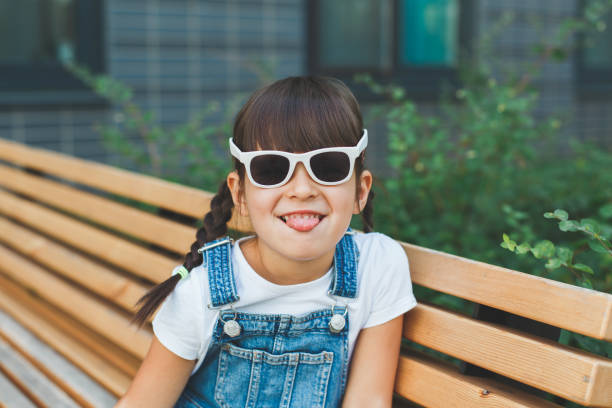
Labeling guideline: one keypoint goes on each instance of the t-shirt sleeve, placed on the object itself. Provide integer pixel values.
(176, 323)
(389, 282)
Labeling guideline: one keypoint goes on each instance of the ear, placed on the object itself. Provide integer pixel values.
(365, 184)
(233, 183)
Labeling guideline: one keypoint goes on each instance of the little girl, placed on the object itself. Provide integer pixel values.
(305, 313)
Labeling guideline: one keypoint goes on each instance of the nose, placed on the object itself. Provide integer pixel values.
(301, 185)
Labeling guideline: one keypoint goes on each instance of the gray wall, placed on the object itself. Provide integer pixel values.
(584, 118)
(179, 55)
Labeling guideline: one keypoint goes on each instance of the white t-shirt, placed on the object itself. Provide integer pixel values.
(184, 323)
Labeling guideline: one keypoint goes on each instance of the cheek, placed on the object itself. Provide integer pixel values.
(344, 200)
(259, 201)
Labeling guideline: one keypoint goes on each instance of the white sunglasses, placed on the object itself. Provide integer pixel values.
(273, 168)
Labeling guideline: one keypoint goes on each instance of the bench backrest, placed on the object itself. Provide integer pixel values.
(80, 242)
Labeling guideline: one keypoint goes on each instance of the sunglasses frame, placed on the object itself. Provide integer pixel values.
(294, 158)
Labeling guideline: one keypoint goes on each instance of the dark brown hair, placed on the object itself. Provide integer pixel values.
(295, 114)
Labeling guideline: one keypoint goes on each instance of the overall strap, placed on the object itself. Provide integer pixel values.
(217, 256)
(346, 259)
(217, 259)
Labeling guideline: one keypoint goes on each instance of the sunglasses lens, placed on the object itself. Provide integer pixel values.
(269, 169)
(330, 166)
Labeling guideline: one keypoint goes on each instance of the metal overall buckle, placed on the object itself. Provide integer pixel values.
(230, 327)
(337, 321)
(209, 246)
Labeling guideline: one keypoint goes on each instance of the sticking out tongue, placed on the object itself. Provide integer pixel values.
(302, 222)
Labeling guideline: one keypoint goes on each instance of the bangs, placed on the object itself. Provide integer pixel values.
(299, 114)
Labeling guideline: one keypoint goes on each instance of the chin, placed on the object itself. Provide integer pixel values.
(304, 251)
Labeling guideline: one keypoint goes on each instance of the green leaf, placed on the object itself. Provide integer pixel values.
(564, 254)
(597, 247)
(584, 268)
(568, 225)
(543, 249)
(508, 243)
(608, 348)
(590, 225)
(586, 343)
(562, 214)
(585, 283)
(564, 337)
(523, 248)
(549, 215)
(559, 54)
(553, 263)
(398, 93)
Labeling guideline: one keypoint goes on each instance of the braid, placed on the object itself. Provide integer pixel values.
(214, 226)
(367, 213)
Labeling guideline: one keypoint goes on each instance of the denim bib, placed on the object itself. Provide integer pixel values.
(273, 360)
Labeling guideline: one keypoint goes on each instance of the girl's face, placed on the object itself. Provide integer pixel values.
(300, 220)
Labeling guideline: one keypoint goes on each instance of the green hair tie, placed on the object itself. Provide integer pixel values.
(181, 271)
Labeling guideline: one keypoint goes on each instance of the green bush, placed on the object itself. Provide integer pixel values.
(562, 262)
(193, 153)
(456, 179)
(568, 263)
(484, 162)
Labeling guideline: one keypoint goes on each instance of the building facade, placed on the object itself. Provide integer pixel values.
(179, 55)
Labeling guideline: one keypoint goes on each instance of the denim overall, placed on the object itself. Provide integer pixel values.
(273, 360)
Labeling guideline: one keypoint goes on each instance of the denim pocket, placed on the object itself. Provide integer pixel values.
(255, 378)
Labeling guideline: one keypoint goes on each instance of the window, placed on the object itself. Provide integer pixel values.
(415, 43)
(36, 38)
(594, 61)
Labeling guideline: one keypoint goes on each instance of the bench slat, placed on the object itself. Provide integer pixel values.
(435, 384)
(160, 193)
(82, 307)
(139, 187)
(101, 346)
(97, 278)
(82, 389)
(142, 225)
(577, 309)
(11, 395)
(541, 363)
(117, 251)
(36, 319)
(601, 389)
(32, 382)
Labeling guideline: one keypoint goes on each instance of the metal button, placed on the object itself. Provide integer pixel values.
(231, 328)
(337, 323)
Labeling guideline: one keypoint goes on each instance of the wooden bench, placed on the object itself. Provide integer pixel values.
(80, 242)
